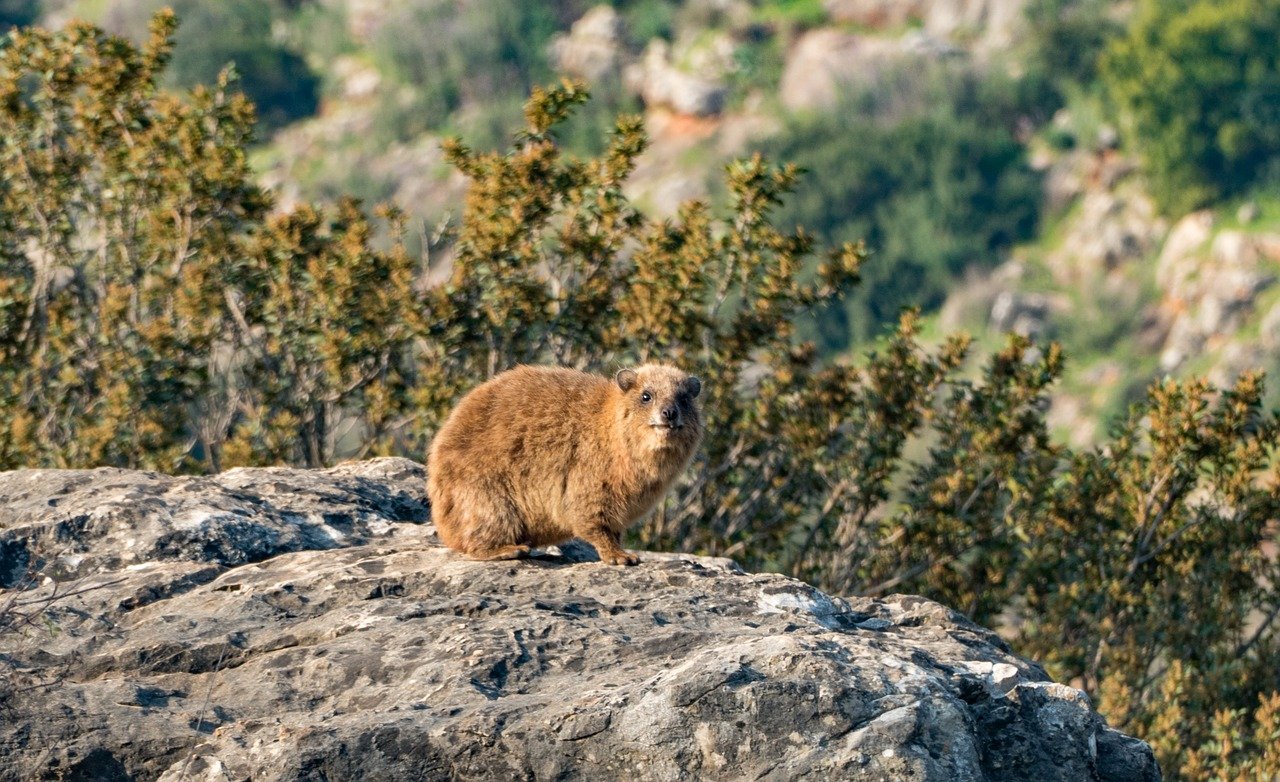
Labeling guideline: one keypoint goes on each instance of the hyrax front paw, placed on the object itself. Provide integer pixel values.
(620, 558)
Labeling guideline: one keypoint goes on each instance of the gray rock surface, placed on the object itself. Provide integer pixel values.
(826, 63)
(73, 523)
(282, 624)
(593, 47)
(696, 89)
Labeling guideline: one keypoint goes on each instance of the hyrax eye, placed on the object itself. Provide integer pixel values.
(646, 397)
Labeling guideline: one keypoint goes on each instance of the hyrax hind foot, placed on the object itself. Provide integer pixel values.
(503, 552)
(620, 557)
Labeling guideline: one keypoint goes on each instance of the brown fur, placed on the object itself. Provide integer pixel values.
(539, 455)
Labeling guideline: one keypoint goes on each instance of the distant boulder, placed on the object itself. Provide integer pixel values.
(826, 63)
(593, 48)
(697, 89)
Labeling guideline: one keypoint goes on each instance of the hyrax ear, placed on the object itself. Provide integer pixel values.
(693, 385)
(626, 379)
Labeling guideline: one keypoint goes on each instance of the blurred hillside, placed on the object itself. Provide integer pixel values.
(985, 149)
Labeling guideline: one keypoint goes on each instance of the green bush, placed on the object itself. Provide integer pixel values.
(155, 313)
(759, 59)
(1199, 87)
(936, 187)
(798, 13)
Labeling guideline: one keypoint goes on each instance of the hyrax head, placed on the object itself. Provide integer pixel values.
(661, 400)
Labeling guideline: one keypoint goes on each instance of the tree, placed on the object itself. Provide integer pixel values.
(1199, 87)
(1065, 41)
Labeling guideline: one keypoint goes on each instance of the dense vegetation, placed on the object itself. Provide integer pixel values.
(1064, 43)
(1199, 83)
(156, 312)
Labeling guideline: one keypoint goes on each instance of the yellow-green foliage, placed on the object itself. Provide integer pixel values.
(119, 209)
(322, 326)
(156, 311)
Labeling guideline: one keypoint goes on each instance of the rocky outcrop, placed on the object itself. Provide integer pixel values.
(275, 624)
(996, 301)
(1117, 224)
(70, 524)
(593, 48)
(1025, 313)
(826, 63)
(1209, 283)
(688, 80)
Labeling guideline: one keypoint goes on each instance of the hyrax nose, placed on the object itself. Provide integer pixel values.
(669, 414)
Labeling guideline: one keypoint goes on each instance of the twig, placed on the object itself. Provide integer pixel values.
(204, 708)
(1258, 633)
(11, 617)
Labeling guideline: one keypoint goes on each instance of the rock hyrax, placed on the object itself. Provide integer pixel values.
(539, 455)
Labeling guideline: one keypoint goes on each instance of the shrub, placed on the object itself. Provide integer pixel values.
(218, 33)
(231, 33)
(276, 79)
(1199, 86)
(325, 323)
(1146, 578)
(120, 205)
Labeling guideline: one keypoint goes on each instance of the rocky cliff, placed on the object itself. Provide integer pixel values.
(275, 624)
(1132, 295)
